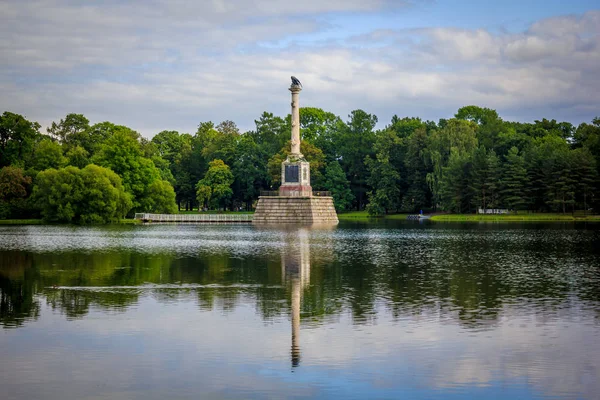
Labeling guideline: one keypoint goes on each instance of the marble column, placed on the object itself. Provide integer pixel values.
(295, 89)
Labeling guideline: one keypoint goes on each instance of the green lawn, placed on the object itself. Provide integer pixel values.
(21, 222)
(215, 212)
(355, 215)
(514, 217)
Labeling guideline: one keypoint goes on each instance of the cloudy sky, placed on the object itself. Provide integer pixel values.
(169, 64)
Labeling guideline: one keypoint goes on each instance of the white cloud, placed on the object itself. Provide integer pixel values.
(170, 65)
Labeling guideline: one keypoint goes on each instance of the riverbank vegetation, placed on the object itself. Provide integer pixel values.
(533, 217)
(99, 173)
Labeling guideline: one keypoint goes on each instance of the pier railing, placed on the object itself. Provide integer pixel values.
(194, 218)
(316, 193)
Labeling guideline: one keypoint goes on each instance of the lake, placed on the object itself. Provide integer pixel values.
(361, 310)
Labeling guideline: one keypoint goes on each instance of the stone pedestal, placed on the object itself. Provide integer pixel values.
(295, 210)
(295, 177)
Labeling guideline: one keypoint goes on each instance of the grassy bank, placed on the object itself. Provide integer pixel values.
(355, 215)
(215, 212)
(129, 221)
(513, 217)
(21, 222)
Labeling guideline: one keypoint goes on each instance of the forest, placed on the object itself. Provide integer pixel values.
(79, 172)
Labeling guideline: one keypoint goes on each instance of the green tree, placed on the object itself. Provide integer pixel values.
(456, 136)
(159, 198)
(384, 177)
(14, 186)
(354, 142)
(514, 180)
(250, 171)
(215, 188)
(455, 193)
(71, 129)
(585, 176)
(319, 127)
(338, 185)
(123, 154)
(17, 138)
(47, 154)
(489, 124)
(78, 157)
(416, 166)
(90, 195)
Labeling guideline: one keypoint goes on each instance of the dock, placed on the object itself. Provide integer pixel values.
(195, 218)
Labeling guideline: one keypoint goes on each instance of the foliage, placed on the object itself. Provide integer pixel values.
(215, 188)
(71, 129)
(339, 186)
(17, 138)
(47, 154)
(475, 160)
(384, 177)
(514, 180)
(159, 198)
(90, 195)
(122, 153)
(354, 142)
(14, 186)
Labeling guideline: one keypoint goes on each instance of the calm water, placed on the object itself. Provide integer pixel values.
(358, 311)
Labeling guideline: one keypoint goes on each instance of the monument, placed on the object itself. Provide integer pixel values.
(295, 203)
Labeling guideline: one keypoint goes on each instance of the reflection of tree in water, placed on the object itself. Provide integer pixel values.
(17, 289)
(463, 275)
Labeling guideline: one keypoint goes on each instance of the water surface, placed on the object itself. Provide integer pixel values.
(358, 311)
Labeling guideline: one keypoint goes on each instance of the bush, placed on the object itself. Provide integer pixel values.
(90, 195)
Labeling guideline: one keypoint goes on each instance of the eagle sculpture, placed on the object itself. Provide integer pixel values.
(296, 81)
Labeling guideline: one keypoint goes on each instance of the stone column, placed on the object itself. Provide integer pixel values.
(295, 89)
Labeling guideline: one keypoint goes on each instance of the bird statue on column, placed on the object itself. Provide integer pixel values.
(296, 81)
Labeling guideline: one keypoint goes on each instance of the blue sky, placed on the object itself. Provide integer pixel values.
(161, 64)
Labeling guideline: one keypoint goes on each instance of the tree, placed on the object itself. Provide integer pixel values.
(489, 124)
(455, 193)
(318, 127)
(250, 171)
(384, 176)
(123, 154)
(90, 195)
(17, 138)
(586, 175)
(215, 188)
(78, 157)
(354, 142)
(13, 191)
(47, 154)
(69, 129)
(338, 185)
(456, 136)
(480, 178)
(176, 150)
(416, 166)
(228, 127)
(514, 180)
(159, 198)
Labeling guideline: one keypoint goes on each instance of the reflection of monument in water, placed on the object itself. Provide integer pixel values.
(295, 202)
(295, 269)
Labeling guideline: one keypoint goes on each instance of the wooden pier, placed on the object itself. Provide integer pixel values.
(195, 218)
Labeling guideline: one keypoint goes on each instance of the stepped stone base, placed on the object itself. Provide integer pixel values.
(295, 210)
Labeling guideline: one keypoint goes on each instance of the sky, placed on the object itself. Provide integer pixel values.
(170, 64)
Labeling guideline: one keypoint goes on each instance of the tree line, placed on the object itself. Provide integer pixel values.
(83, 173)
